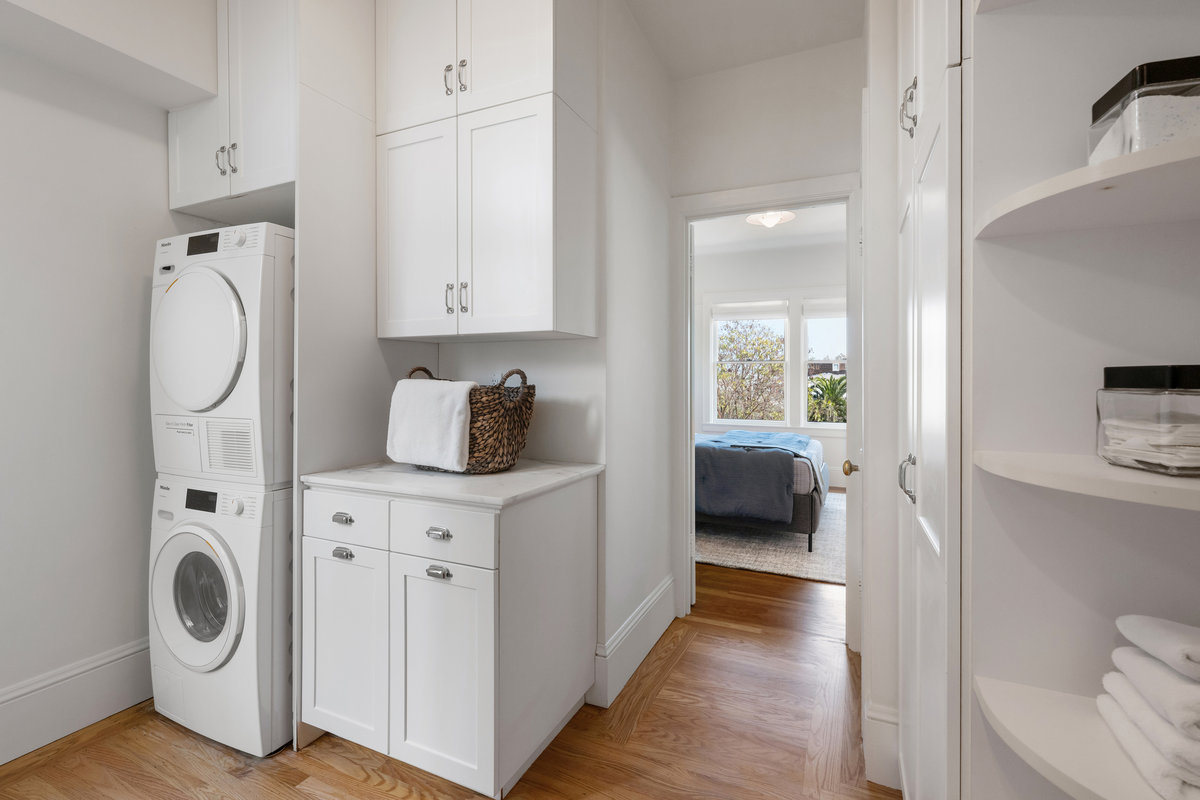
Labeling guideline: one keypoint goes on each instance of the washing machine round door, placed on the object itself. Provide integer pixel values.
(198, 339)
(197, 598)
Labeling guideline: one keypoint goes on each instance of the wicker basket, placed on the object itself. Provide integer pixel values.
(499, 422)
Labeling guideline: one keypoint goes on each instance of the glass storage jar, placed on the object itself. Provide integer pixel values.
(1155, 103)
(1149, 418)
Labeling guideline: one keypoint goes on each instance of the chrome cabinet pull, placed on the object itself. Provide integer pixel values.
(438, 532)
(449, 298)
(902, 477)
(232, 166)
(446, 78)
(217, 156)
(344, 553)
(438, 571)
(342, 518)
(462, 297)
(462, 87)
(909, 96)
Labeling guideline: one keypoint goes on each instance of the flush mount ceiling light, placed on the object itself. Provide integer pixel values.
(769, 219)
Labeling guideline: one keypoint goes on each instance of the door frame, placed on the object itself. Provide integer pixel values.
(685, 210)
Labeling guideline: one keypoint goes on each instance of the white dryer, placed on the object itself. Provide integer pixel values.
(220, 598)
(221, 354)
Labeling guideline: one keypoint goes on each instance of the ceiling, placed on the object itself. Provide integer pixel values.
(814, 225)
(696, 37)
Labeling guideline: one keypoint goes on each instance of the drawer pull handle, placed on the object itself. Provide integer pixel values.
(344, 553)
(438, 571)
(342, 518)
(438, 532)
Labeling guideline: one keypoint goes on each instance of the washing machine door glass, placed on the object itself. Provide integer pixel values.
(198, 339)
(197, 598)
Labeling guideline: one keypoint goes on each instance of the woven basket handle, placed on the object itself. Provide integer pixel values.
(415, 370)
(524, 383)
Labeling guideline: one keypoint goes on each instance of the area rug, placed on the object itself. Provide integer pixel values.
(781, 552)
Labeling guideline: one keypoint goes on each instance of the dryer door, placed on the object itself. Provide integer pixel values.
(198, 339)
(197, 598)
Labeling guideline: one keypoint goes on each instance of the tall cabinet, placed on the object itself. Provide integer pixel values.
(1070, 269)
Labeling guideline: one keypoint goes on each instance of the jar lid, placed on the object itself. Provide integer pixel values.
(1154, 72)
(1173, 376)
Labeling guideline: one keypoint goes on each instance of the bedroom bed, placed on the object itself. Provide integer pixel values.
(761, 480)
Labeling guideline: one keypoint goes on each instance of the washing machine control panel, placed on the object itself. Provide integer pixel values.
(175, 499)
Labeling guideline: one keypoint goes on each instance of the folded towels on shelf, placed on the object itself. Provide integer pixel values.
(1166, 738)
(1175, 697)
(1173, 643)
(430, 423)
(1169, 780)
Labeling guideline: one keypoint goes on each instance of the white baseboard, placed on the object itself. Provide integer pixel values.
(881, 745)
(47, 707)
(617, 658)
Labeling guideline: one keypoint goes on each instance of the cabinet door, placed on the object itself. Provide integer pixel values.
(418, 247)
(416, 62)
(938, 45)
(506, 217)
(508, 47)
(196, 135)
(262, 101)
(344, 657)
(443, 653)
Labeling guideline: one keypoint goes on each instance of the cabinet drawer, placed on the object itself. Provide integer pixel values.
(349, 518)
(446, 533)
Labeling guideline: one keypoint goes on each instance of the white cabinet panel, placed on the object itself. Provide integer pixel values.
(416, 62)
(196, 134)
(262, 94)
(508, 47)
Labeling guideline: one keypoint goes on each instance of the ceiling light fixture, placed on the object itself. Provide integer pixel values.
(769, 219)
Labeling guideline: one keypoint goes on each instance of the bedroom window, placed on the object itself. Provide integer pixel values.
(826, 368)
(749, 371)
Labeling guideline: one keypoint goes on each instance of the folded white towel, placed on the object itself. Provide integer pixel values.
(1173, 643)
(1170, 694)
(1166, 738)
(1168, 780)
(430, 423)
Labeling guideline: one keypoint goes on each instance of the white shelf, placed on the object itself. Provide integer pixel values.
(1091, 475)
(984, 6)
(1063, 737)
(1161, 184)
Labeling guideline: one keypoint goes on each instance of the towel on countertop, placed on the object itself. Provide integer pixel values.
(430, 423)
(1170, 781)
(1175, 697)
(1166, 738)
(1173, 643)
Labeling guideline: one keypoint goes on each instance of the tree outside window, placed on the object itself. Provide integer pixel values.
(750, 371)
(827, 369)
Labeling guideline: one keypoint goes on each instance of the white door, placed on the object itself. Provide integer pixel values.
(418, 239)
(417, 62)
(506, 218)
(505, 51)
(443, 654)
(345, 652)
(929, 558)
(855, 420)
(262, 106)
(198, 137)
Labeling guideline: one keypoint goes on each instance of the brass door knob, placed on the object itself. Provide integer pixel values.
(848, 467)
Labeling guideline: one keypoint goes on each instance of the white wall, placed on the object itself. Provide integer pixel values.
(83, 201)
(787, 118)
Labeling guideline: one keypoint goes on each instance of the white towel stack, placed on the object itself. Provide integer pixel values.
(1152, 703)
(430, 423)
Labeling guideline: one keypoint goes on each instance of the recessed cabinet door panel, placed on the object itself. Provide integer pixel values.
(938, 45)
(415, 43)
(196, 134)
(262, 103)
(509, 49)
(443, 654)
(417, 259)
(506, 217)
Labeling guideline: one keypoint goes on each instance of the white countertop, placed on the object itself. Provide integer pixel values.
(527, 478)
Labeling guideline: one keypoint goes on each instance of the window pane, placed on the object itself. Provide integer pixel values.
(827, 370)
(750, 392)
(751, 339)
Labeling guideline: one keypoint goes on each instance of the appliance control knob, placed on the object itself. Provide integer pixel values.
(238, 507)
(239, 238)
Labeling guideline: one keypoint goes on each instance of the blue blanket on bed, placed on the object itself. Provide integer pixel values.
(748, 474)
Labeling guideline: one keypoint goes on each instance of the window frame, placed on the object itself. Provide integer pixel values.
(764, 310)
(823, 308)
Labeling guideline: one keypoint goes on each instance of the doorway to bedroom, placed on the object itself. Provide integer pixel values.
(773, 376)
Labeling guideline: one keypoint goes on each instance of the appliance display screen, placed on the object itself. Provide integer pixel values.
(204, 243)
(201, 501)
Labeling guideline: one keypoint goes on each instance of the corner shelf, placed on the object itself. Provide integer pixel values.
(984, 6)
(1064, 738)
(1161, 184)
(1090, 475)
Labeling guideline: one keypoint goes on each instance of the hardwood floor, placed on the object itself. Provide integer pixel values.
(752, 696)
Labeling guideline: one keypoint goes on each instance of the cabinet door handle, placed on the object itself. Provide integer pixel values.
(342, 518)
(462, 297)
(232, 166)
(438, 532)
(446, 78)
(909, 96)
(449, 298)
(438, 571)
(902, 477)
(344, 553)
(217, 156)
(462, 87)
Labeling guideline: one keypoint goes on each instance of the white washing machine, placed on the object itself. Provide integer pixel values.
(220, 601)
(221, 354)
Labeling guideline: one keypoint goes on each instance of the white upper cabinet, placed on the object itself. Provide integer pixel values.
(439, 58)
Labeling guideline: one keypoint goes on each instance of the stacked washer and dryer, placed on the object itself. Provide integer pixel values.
(221, 327)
